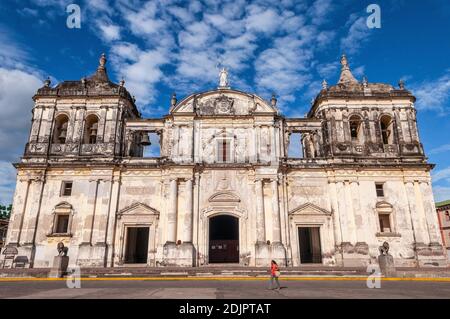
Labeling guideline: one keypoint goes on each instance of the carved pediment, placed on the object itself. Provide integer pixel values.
(384, 207)
(63, 207)
(224, 102)
(138, 209)
(309, 209)
(227, 197)
(222, 105)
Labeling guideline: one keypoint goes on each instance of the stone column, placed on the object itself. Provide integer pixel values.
(258, 143)
(360, 221)
(260, 219)
(112, 213)
(262, 253)
(278, 251)
(71, 124)
(172, 214)
(335, 209)
(350, 212)
(101, 133)
(36, 123)
(430, 213)
(196, 218)
(187, 231)
(276, 213)
(343, 217)
(78, 133)
(419, 231)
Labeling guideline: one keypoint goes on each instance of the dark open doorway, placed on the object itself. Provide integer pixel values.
(309, 239)
(224, 239)
(137, 245)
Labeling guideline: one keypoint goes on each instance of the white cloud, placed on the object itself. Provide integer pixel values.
(441, 149)
(197, 65)
(441, 193)
(443, 174)
(52, 3)
(182, 14)
(224, 25)
(140, 68)
(324, 38)
(143, 21)
(99, 6)
(28, 12)
(358, 72)
(110, 32)
(7, 182)
(11, 54)
(16, 89)
(261, 19)
(284, 67)
(433, 94)
(358, 34)
(319, 10)
(197, 36)
(326, 70)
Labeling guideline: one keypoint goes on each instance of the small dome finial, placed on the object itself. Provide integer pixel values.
(365, 81)
(324, 85)
(273, 100)
(47, 82)
(122, 82)
(346, 75)
(344, 61)
(102, 61)
(401, 84)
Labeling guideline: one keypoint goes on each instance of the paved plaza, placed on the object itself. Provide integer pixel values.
(232, 288)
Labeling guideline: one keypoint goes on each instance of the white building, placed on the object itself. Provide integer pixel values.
(224, 189)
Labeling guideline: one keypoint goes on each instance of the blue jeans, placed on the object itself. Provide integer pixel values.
(272, 277)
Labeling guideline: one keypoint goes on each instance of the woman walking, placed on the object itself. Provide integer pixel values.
(274, 274)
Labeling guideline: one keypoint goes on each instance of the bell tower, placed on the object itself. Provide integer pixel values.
(365, 120)
(78, 119)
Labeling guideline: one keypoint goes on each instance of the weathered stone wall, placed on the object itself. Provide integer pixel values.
(332, 188)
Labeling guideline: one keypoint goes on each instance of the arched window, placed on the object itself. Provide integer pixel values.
(90, 130)
(356, 128)
(387, 132)
(60, 131)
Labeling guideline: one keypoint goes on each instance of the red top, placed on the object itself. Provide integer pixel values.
(273, 269)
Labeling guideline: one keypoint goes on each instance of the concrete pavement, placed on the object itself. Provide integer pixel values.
(146, 288)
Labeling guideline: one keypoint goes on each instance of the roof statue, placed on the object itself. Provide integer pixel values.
(346, 75)
(223, 79)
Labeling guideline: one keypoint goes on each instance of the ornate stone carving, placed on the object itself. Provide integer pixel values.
(37, 148)
(221, 105)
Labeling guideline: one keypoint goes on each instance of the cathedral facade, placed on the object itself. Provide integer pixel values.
(224, 188)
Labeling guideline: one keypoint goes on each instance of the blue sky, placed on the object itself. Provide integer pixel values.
(287, 47)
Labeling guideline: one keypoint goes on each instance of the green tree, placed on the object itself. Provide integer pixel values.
(5, 211)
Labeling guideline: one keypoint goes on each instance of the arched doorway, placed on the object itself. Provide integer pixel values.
(224, 239)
